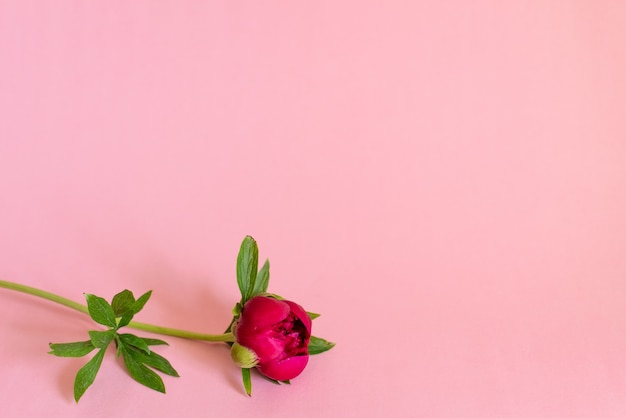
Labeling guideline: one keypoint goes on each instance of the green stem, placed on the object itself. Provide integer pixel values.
(227, 337)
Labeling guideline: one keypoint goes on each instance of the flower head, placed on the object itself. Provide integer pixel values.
(278, 333)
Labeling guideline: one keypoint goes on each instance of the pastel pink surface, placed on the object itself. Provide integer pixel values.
(444, 182)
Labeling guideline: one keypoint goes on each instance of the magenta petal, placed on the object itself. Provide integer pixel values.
(265, 347)
(263, 312)
(299, 312)
(278, 331)
(286, 369)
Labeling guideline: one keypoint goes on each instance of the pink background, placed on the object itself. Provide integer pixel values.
(444, 181)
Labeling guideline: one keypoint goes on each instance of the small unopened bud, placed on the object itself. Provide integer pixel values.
(243, 356)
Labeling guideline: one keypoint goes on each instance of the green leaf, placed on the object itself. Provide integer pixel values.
(153, 360)
(122, 302)
(313, 315)
(274, 381)
(133, 340)
(154, 341)
(247, 264)
(247, 381)
(262, 279)
(319, 345)
(100, 310)
(87, 374)
(126, 318)
(139, 304)
(141, 373)
(133, 309)
(101, 339)
(237, 310)
(77, 349)
(269, 379)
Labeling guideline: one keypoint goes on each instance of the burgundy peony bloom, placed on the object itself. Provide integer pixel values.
(278, 332)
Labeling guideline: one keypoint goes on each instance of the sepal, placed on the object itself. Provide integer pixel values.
(243, 356)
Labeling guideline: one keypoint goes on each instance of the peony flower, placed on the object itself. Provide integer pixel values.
(273, 336)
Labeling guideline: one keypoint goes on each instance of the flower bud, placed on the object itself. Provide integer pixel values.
(277, 332)
(243, 357)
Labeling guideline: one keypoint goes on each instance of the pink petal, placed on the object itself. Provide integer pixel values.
(286, 369)
(265, 347)
(301, 314)
(263, 312)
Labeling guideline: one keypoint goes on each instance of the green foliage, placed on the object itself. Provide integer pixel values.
(139, 304)
(154, 341)
(247, 263)
(153, 360)
(138, 357)
(87, 374)
(313, 315)
(247, 381)
(101, 339)
(140, 372)
(122, 302)
(77, 349)
(134, 341)
(250, 281)
(319, 345)
(100, 311)
(262, 279)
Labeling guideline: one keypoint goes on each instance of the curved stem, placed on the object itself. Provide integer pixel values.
(227, 337)
(45, 295)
